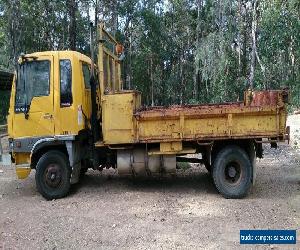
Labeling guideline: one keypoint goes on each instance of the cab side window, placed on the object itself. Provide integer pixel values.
(86, 75)
(66, 98)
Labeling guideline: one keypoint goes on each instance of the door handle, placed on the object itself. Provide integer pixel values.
(47, 116)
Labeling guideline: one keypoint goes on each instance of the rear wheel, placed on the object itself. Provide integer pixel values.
(53, 175)
(232, 172)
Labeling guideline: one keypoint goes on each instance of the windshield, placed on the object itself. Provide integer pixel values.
(33, 80)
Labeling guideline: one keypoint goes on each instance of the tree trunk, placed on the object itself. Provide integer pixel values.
(198, 30)
(181, 75)
(130, 61)
(14, 30)
(239, 24)
(96, 12)
(253, 52)
(72, 7)
(47, 33)
(114, 16)
(151, 79)
(244, 60)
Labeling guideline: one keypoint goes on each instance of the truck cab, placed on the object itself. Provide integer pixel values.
(50, 99)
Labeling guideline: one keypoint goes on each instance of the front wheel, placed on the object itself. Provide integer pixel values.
(232, 172)
(53, 175)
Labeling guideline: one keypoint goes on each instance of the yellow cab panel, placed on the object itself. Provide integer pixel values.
(72, 107)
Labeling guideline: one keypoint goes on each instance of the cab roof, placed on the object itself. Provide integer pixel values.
(62, 53)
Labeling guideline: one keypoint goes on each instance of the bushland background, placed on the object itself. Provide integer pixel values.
(177, 51)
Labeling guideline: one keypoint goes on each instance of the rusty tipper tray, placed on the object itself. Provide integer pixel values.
(261, 115)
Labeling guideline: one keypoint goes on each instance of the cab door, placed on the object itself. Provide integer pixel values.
(34, 111)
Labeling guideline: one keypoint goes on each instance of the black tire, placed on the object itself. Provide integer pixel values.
(53, 174)
(232, 172)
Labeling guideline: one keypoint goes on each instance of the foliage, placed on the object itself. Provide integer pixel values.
(181, 50)
(4, 103)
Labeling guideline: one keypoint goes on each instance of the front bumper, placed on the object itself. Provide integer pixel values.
(23, 170)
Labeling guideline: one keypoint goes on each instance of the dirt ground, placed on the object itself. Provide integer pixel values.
(105, 211)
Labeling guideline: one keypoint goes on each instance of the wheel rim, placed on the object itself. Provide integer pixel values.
(233, 173)
(52, 176)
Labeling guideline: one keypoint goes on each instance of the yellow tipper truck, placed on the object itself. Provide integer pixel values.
(67, 115)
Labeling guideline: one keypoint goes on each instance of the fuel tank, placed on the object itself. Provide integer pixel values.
(137, 162)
